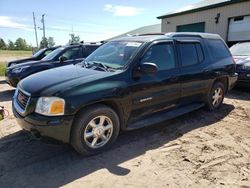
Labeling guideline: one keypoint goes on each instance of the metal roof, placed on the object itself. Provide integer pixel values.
(146, 29)
(200, 6)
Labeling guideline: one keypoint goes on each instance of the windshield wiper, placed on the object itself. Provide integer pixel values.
(99, 65)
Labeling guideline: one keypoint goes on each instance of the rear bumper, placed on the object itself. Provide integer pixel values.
(232, 79)
(244, 79)
(54, 127)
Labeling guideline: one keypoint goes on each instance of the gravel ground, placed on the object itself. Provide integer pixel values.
(199, 149)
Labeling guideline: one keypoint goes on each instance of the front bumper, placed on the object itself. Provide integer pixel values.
(54, 127)
(12, 80)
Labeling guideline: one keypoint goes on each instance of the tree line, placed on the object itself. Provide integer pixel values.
(21, 44)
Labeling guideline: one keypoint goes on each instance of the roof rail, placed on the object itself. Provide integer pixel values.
(145, 34)
(194, 34)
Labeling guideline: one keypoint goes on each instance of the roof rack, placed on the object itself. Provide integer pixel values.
(194, 34)
(145, 34)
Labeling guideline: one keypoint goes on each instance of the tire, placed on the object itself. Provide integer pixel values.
(89, 135)
(216, 96)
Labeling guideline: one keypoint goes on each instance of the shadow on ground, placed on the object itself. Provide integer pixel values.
(239, 93)
(3, 82)
(32, 163)
(6, 95)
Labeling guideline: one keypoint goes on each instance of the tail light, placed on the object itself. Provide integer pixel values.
(234, 61)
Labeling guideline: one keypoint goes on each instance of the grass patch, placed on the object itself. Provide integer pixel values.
(2, 68)
(10, 53)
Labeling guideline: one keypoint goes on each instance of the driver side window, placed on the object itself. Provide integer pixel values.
(162, 55)
(72, 53)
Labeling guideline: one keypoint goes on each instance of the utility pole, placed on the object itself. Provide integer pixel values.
(42, 20)
(34, 20)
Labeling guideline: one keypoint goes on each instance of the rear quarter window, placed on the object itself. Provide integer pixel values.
(218, 49)
(190, 53)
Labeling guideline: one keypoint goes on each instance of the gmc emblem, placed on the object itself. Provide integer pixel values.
(20, 98)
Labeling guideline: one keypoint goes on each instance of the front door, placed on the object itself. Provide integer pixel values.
(161, 91)
(71, 56)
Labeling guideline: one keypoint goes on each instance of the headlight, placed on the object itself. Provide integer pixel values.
(19, 69)
(50, 106)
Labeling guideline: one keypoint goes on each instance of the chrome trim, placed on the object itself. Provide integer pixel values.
(16, 105)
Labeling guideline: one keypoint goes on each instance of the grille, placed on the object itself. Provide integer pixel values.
(22, 99)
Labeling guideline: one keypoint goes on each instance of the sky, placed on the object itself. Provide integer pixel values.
(92, 20)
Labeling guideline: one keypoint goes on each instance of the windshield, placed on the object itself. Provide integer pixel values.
(38, 53)
(53, 54)
(114, 54)
(241, 49)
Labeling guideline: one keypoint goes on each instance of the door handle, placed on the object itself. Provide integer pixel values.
(206, 71)
(174, 78)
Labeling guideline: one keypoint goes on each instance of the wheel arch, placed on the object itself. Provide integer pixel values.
(109, 103)
(224, 80)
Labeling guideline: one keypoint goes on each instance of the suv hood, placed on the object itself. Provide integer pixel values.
(57, 80)
(29, 63)
(242, 59)
(20, 61)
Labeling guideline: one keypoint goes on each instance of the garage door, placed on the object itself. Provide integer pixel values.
(196, 27)
(239, 29)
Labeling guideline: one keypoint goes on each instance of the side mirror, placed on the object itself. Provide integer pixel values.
(62, 58)
(148, 68)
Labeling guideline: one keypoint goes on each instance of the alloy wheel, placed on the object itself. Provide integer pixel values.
(98, 132)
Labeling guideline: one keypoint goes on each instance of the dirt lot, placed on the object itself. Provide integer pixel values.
(200, 149)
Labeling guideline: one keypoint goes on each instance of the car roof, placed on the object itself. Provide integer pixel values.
(161, 36)
(84, 44)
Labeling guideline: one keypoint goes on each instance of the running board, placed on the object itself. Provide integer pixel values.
(163, 116)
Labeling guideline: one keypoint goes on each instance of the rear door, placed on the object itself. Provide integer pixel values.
(194, 72)
(161, 91)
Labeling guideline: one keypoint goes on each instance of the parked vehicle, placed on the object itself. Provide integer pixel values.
(241, 54)
(62, 56)
(125, 84)
(37, 56)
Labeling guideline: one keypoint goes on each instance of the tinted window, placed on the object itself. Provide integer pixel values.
(90, 49)
(72, 53)
(188, 54)
(218, 49)
(162, 55)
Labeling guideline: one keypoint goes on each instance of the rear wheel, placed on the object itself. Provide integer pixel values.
(95, 130)
(216, 96)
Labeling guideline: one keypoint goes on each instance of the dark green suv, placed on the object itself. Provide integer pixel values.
(125, 84)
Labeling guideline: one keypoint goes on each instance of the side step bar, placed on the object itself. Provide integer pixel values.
(163, 116)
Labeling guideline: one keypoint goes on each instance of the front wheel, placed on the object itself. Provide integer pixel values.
(216, 96)
(95, 130)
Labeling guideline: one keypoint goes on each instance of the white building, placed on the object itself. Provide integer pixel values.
(228, 18)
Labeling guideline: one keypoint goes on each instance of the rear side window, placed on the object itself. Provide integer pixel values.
(218, 49)
(191, 53)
